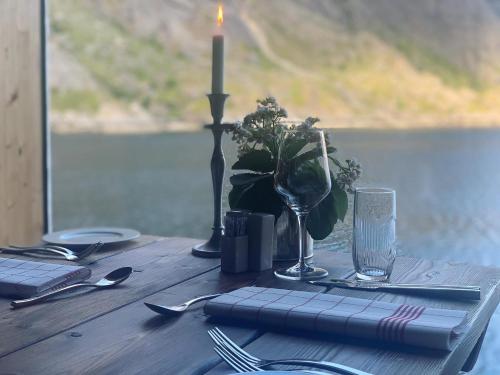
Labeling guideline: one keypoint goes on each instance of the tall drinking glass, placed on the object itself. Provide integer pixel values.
(374, 234)
(302, 179)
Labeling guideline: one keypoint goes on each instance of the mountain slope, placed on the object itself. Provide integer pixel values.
(136, 65)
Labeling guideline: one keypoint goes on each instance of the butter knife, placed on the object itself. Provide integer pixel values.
(434, 290)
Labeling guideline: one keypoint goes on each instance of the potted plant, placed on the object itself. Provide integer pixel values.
(253, 185)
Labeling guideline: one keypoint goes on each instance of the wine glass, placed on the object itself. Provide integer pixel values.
(302, 179)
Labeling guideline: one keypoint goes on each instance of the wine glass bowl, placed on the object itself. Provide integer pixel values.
(302, 186)
(302, 179)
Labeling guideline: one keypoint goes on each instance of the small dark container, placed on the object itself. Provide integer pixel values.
(236, 223)
(234, 254)
(260, 230)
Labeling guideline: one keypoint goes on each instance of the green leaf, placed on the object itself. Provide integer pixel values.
(257, 197)
(294, 147)
(236, 193)
(246, 178)
(341, 201)
(322, 218)
(255, 160)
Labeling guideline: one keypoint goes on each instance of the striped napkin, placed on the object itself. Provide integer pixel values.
(340, 315)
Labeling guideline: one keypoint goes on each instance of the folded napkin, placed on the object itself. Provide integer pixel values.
(26, 278)
(339, 315)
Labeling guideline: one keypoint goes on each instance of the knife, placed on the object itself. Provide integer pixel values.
(434, 290)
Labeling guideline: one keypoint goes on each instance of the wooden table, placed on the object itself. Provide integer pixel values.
(111, 331)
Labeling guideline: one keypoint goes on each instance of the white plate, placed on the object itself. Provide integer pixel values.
(88, 236)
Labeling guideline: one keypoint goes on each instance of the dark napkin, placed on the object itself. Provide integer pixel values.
(340, 315)
(25, 278)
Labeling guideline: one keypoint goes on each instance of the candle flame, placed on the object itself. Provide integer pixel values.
(220, 15)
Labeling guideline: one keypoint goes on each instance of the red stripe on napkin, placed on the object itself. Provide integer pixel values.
(402, 331)
(394, 329)
(392, 323)
(381, 326)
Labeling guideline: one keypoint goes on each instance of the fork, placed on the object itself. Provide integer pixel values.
(241, 366)
(54, 250)
(223, 341)
(233, 361)
(41, 251)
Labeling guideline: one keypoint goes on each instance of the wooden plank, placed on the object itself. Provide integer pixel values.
(21, 125)
(133, 339)
(157, 266)
(389, 359)
(473, 356)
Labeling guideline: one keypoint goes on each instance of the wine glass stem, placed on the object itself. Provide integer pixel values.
(302, 239)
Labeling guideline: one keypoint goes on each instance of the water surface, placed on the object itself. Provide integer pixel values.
(447, 184)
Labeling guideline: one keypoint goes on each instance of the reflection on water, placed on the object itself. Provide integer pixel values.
(447, 185)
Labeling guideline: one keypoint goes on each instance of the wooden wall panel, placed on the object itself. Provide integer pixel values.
(21, 122)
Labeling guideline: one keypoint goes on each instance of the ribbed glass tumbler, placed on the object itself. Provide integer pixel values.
(374, 234)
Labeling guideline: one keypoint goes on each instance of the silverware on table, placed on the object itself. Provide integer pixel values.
(40, 250)
(235, 356)
(178, 309)
(53, 250)
(243, 367)
(435, 290)
(111, 279)
(233, 361)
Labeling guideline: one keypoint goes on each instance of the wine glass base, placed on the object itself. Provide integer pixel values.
(301, 273)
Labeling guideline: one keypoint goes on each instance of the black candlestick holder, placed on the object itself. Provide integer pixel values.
(212, 248)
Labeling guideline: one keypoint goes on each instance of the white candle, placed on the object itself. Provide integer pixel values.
(218, 57)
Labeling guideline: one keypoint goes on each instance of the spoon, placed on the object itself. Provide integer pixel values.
(178, 309)
(111, 279)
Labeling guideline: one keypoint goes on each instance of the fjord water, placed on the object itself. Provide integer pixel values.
(447, 184)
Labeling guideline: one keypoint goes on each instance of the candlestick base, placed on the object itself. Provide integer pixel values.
(209, 249)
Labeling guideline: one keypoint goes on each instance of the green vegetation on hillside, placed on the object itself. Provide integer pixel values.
(85, 101)
(336, 71)
(128, 68)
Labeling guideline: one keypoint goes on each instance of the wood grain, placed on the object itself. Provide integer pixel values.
(157, 265)
(21, 125)
(378, 358)
(115, 333)
(133, 339)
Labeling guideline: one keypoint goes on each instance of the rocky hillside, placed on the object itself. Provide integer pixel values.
(134, 65)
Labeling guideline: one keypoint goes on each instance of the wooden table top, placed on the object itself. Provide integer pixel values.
(112, 332)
